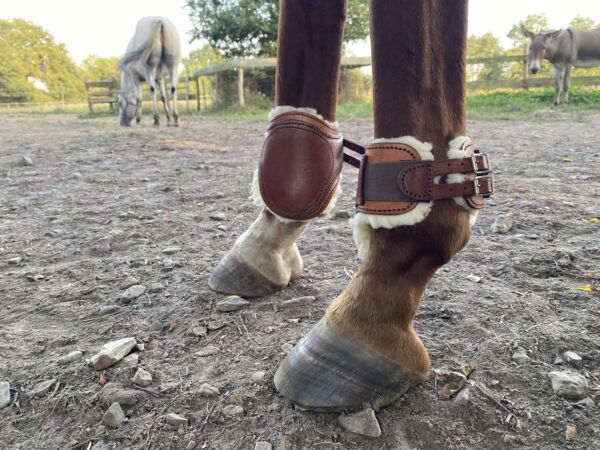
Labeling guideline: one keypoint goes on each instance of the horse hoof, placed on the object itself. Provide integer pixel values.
(234, 277)
(328, 372)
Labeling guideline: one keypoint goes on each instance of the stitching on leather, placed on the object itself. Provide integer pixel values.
(275, 120)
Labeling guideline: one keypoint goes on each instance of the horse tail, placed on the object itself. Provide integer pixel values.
(143, 51)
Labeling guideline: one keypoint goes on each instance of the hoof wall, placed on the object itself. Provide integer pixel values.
(328, 372)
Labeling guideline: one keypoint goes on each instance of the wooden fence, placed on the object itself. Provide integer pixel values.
(353, 62)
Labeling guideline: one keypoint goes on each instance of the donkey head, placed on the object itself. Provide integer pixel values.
(537, 47)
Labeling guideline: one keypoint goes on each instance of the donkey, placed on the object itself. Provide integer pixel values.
(154, 50)
(409, 222)
(564, 49)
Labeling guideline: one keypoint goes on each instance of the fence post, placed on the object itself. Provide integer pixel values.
(187, 90)
(525, 71)
(198, 94)
(241, 87)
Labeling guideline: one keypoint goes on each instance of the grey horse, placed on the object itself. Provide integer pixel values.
(564, 49)
(153, 51)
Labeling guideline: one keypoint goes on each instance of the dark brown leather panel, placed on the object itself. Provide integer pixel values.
(300, 165)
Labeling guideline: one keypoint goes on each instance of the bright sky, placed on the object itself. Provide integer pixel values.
(104, 28)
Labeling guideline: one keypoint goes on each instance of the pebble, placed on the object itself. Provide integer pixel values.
(263, 445)
(109, 309)
(112, 353)
(257, 377)
(4, 394)
(473, 278)
(131, 360)
(342, 214)
(157, 325)
(43, 387)
(520, 356)
(585, 403)
(232, 303)
(191, 445)
(559, 361)
(128, 282)
(570, 432)
(568, 384)
(199, 331)
(462, 398)
(177, 421)
(573, 359)
(233, 410)
(168, 264)
(222, 227)
(115, 392)
(209, 350)
(15, 260)
(69, 358)
(25, 161)
(142, 378)
(363, 422)
(220, 216)
(214, 325)
(503, 224)
(114, 416)
(132, 293)
(156, 287)
(300, 301)
(209, 391)
(171, 250)
(287, 347)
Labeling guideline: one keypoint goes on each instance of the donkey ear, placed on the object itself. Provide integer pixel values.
(526, 32)
(553, 34)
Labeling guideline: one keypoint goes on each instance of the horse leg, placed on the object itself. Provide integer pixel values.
(165, 100)
(174, 76)
(567, 82)
(138, 104)
(365, 349)
(265, 258)
(558, 74)
(151, 79)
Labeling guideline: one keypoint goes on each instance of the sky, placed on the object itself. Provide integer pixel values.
(103, 28)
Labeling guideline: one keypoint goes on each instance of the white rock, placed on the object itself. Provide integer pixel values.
(115, 392)
(503, 224)
(568, 384)
(176, 420)
(209, 391)
(586, 403)
(171, 250)
(473, 278)
(262, 445)
(559, 361)
(232, 303)
(168, 263)
(520, 356)
(26, 161)
(363, 422)
(573, 359)
(130, 360)
(300, 301)
(114, 416)
(132, 293)
(142, 378)
(462, 398)
(43, 387)
(209, 350)
(69, 358)
(233, 410)
(112, 353)
(4, 394)
(219, 216)
(257, 377)
(128, 282)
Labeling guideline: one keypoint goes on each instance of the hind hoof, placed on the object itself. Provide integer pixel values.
(328, 372)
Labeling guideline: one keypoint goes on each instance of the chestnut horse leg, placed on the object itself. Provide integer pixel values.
(265, 258)
(365, 349)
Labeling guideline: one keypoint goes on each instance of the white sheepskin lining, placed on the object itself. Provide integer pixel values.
(455, 151)
(278, 110)
(363, 222)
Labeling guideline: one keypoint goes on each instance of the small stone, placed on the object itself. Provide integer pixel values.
(287, 347)
(219, 216)
(473, 278)
(342, 214)
(128, 282)
(257, 377)
(264, 306)
(209, 350)
(300, 301)
(559, 361)
(273, 407)
(114, 416)
(199, 331)
(130, 360)
(69, 358)
(4, 394)
(586, 403)
(109, 309)
(112, 353)
(233, 410)
(363, 422)
(222, 227)
(520, 356)
(262, 445)
(503, 224)
(171, 250)
(209, 391)
(191, 445)
(115, 392)
(43, 387)
(156, 287)
(214, 325)
(168, 264)
(132, 293)
(25, 161)
(177, 421)
(14, 261)
(232, 303)
(571, 432)
(157, 325)
(142, 378)
(573, 359)
(568, 384)
(462, 398)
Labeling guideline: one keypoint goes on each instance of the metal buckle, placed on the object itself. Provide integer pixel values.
(475, 166)
(476, 186)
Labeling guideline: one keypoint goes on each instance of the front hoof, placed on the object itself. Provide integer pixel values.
(328, 372)
(235, 277)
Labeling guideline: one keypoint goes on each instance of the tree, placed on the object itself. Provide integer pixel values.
(30, 60)
(582, 23)
(486, 45)
(533, 22)
(99, 68)
(243, 28)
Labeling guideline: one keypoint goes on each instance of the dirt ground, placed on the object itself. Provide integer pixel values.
(99, 204)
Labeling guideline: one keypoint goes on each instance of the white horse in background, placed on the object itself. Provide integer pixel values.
(153, 51)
